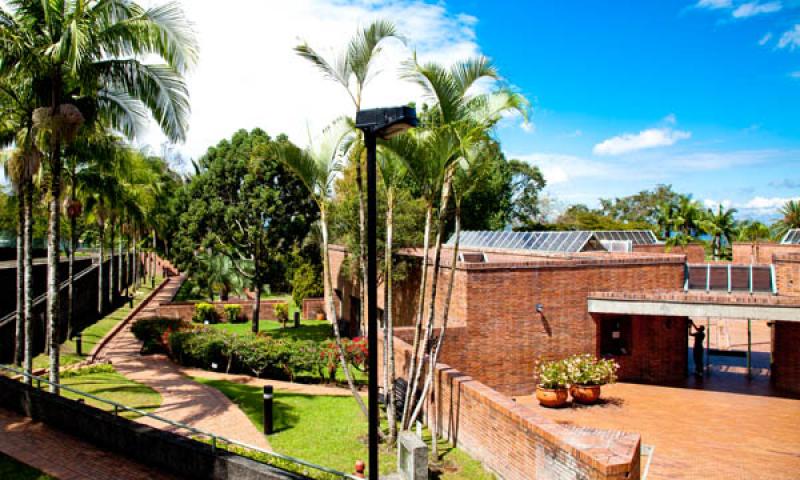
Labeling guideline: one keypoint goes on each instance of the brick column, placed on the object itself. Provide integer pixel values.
(786, 356)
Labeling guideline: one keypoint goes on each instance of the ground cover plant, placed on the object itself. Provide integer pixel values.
(11, 469)
(338, 429)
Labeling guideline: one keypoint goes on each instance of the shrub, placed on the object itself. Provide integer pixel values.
(205, 313)
(356, 352)
(89, 370)
(233, 313)
(586, 369)
(151, 332)
(306, 283)
(552, 374)
(282, 313)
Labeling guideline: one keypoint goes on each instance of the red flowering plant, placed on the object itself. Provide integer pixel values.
(357, 353)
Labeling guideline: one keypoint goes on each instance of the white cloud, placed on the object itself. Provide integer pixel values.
(671, 119)
(631, 142)
(766, 38)
(249, 76)
(763, 207)
(714, 4)
(713, 204)
(560, 168)
(795, 74)
(790, 38)
(752, 9)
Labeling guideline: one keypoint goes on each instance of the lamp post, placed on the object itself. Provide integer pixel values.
(383, 123)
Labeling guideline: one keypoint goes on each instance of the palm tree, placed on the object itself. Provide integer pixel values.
(318, 167)
(220, 273)
(458, 116)
(80, 53)
(665, 217)
(16, 103)
(353, 70)
(721, 226)
(790, 213)
(754, 232)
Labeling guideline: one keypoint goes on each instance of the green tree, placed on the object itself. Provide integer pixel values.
(721, 225)
(790, 218)
(642, 207)
(88, 54)
(353, 69)
(526, 187)
(318, 166)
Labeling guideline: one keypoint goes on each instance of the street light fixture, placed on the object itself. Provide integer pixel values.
(376, 123)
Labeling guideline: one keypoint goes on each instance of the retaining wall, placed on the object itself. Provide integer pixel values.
(153, 447)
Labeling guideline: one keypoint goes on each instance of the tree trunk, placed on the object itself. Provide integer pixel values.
(119, 259)
(435, 353)
(362, 244)
(28, 302)
(19, 341)
(153, 271)
(101, 296)
(413, 384)
(388, 321)
(331, 313)
(257, 280)
(112, 278)
(53, 241)
(420, 310)
(73, 241)
(135, 263)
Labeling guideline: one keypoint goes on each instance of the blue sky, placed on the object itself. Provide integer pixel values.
(712, 88)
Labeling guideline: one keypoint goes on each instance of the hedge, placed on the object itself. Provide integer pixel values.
(258, 355)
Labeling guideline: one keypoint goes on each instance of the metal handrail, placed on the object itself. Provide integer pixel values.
(42, 297)
(648, 450)
(214, 437)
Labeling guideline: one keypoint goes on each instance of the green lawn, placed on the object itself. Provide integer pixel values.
(309, 329)
(330, 431)
(11, 469)
(92, 334)
(104, 382)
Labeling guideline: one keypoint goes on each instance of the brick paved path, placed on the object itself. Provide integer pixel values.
(183, 400)
(63, 456)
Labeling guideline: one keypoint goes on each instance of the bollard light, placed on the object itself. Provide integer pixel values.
(267, 409)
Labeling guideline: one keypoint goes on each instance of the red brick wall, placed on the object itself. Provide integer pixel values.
(311, 306)
(787, 273)
(185, 310)
(658, 349)
(516, 443)
(695, 253)
(786, 356)
(761, 252)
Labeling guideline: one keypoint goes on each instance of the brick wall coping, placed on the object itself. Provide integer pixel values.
(736, 298)
(787, 256)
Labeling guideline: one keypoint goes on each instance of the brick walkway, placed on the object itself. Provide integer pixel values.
(699, 433)
(65, 457)
(183, 400)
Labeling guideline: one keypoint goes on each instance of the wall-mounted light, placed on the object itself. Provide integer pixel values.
(539, 308)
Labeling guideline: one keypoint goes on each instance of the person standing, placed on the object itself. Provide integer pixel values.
(697, 350)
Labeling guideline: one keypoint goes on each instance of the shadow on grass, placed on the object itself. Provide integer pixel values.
(305, 332)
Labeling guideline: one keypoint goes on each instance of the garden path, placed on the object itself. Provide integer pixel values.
(183, 400)
(63, 456)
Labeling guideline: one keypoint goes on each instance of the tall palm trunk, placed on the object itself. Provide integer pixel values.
(19, 340)
(331, 311)
(362, 246)
(135, 263)
(73, 242)
(432, 303)
(101, 296)
(420, 309)
(257, 280)
(28, 266)
(388, 321)
(112, 288)
(119, 258)
(438, 348)
(53, 241)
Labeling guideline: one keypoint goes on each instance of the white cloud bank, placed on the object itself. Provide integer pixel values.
(790, 38)
(646, 139)
(249, 76)
(752, 9)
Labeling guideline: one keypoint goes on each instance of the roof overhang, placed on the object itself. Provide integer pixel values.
(784, 313)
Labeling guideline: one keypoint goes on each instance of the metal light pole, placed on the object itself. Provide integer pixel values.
(383, 123)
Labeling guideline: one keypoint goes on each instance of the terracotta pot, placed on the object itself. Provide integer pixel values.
(585, 394)
(551, 397)
(320, 316)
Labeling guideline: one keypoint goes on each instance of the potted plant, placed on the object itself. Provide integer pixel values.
(551, 389)
(320, 315)
(587, 374)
